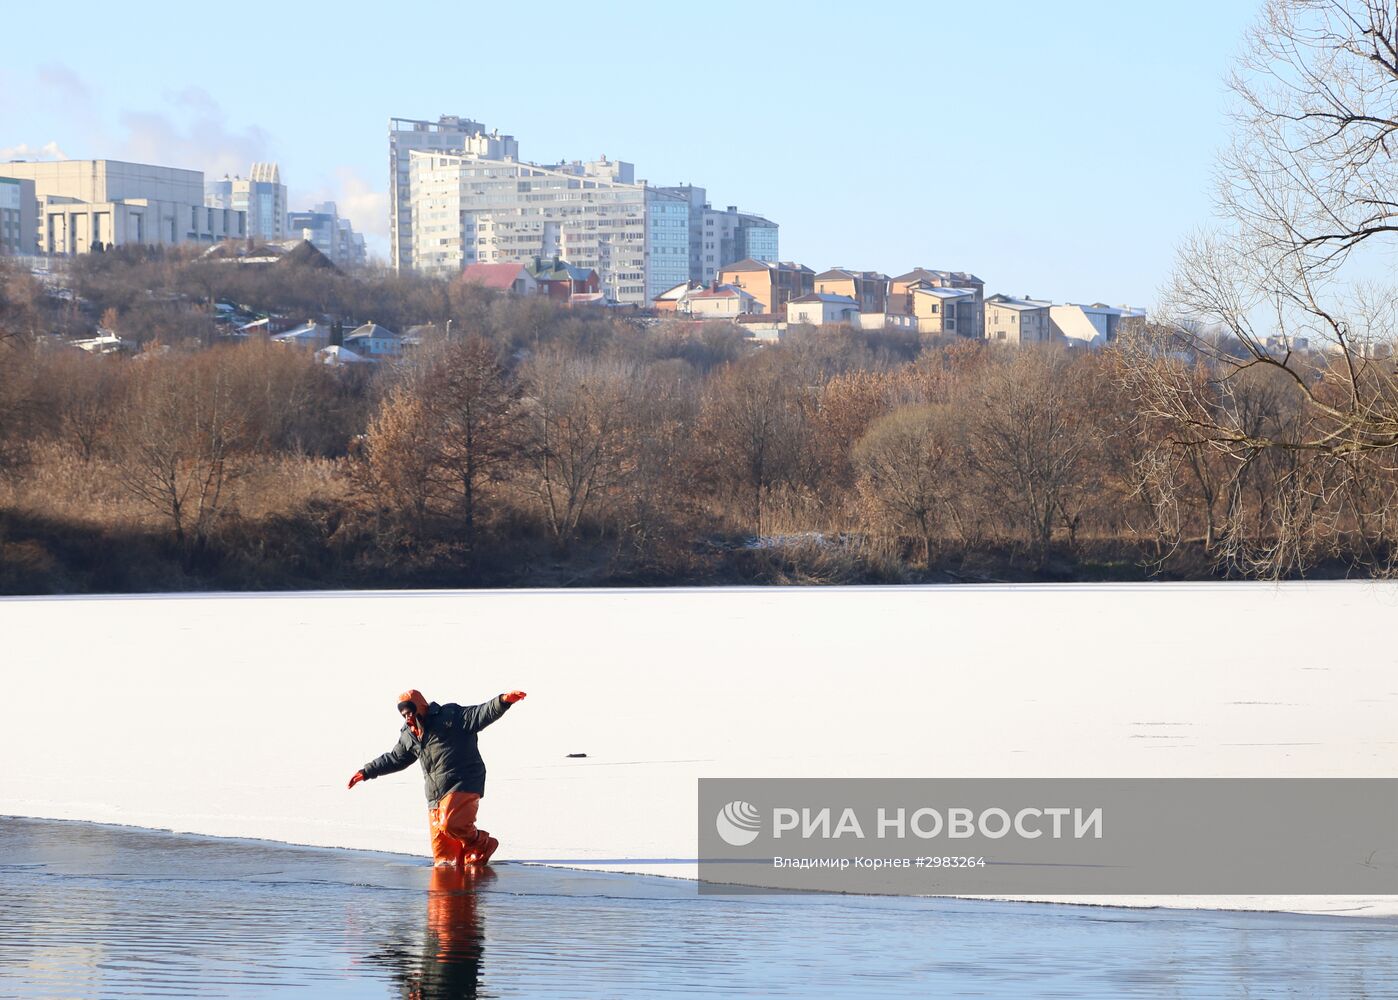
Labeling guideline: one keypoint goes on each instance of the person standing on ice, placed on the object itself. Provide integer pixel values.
(443, 739)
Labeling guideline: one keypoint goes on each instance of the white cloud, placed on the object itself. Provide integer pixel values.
(24, 151)
(197, 137)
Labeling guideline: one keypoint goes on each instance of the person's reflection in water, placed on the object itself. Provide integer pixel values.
(448, 964)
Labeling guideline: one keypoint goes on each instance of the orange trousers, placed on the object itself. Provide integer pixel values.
(453, 826)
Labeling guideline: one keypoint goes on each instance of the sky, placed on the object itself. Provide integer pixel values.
(1056, 150)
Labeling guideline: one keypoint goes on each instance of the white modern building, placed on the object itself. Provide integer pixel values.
(1090, 325)
(86, 202)
(19, 211)
(467, 209)
(261, 194)
(448, 134)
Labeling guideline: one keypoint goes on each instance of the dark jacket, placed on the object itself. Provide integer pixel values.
(451, 761)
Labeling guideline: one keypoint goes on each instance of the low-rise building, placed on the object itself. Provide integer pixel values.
(719, 302)
(374, 341)
(970, 319)
(310, 335)
(513, 278)
(821, 309)
(564, 282)
(1013, 321)
(1092, 326)
(772, 283)
(933, 310)
(82, 203)
(868, 288)
(671, 300)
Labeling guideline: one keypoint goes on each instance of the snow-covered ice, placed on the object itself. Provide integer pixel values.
(244, 715)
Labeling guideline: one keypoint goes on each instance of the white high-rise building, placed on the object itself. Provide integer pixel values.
(466, 209)
(451, 134)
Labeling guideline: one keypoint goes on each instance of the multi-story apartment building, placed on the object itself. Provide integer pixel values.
(86, 202)
(970, 318)
(326, 230)
(19, 211)
(1013, 321)
(448, 134)
(261, 194)
(772, 284)
(868, 288)
(466, 208)
(718, 238)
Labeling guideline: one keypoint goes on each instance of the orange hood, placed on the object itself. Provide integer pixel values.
(414, 697)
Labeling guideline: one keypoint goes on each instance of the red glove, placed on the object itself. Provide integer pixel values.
(358, 777)
(512, 697)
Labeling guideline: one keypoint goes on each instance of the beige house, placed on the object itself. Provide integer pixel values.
(970, 321)
(772, 284)
(868, 288)
(1009, 320)
(933, 310)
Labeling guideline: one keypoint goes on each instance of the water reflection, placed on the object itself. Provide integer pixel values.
(446, 960)
(97, 911)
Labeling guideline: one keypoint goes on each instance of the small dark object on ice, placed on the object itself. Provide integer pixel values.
(577, 755)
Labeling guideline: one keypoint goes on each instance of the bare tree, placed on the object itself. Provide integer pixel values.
(1307, 197)
(83, 396)
(470, 393)
(907, 463)
(1028, 442)
(180, 441)
(573, 424)
(755, 425)
(399, 463)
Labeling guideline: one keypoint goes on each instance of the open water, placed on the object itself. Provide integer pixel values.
(104, 911)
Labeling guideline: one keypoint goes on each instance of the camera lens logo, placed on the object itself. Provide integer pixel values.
(738, 823)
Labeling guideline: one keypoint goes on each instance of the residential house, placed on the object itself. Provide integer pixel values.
(1013, 321)
(868, 288)
(971, 321)
(566, 283)
(933, 310)
(772, 283)
(820, 309)
(337, 356)
(720, 302)
(672, 299)
(374, 342)
(513, 278)
(310, 335)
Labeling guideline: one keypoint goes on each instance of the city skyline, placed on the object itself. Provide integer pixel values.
(1058, 155)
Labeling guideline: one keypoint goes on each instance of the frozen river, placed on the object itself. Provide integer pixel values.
(243, 715)
(93, 910)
